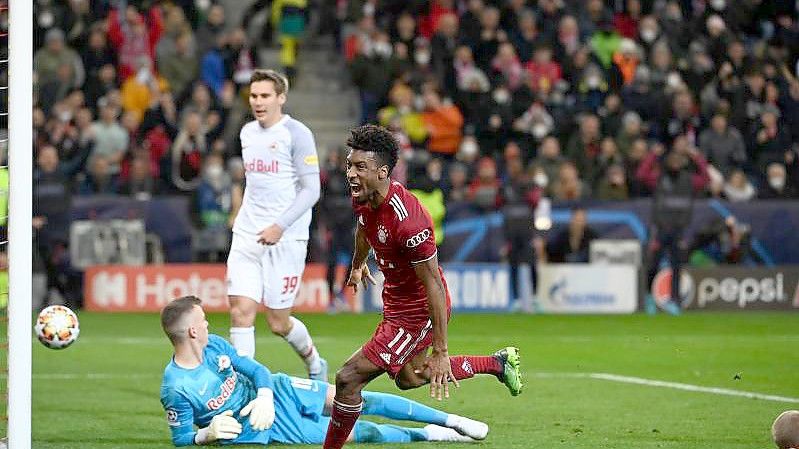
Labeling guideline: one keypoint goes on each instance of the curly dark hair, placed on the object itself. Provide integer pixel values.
(378, 140)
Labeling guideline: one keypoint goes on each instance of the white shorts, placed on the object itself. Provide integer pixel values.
(270, 275)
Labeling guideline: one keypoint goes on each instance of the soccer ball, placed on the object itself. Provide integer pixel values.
(57, 327)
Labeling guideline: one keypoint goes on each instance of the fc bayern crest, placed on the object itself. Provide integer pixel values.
(382, 233)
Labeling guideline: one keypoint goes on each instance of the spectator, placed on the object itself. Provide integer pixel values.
(457, 189)
(242, 59)
(738, 188)
(631, 130)
(613, 185)
(583, 148)
(570, 245)
(607, 157)
(402, 115)
(141, 183)
(549, 158)
(568, 186)
(134, 37)
(442, 121)
(179, 67)
(58, 68)
(56, 59)
(100, 180)
(96, 55)
(484, 190)
(542, 70)
(111, 139)
(771, 140)
(506, 66)
(214, 194)
(209, 32)
(527, 37)
(777, 186)
(371, 74)
(138, 91)
(722, 145)
(188, 150)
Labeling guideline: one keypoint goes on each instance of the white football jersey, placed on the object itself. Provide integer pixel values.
(274, 159)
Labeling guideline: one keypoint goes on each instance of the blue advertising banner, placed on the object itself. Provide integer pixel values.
(472, 236)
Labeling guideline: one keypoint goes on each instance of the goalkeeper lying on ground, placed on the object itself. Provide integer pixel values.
(237, 400)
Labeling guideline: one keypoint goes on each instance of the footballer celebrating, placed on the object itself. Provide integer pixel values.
(416, 303)
(270, 234)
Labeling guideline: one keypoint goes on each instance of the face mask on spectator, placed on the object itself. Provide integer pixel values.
(422, 57)
(718, 5)
(649, 35)
(776, 182)
(215, 175)
(501, 96)
(143, 75)
(383, 49)
(469, 148)
(541, 179)
(592, 81)
(540, 130)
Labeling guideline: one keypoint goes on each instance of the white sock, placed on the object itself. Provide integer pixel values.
(299, 339)
(243, 339)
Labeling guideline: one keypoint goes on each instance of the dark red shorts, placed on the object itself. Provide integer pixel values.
(394, 344)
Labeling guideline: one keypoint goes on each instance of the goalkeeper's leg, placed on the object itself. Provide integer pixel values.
(397, 407)
(369, 432)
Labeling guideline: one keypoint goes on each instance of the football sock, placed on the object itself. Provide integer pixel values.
(243, 339)
(466, 366)
(342, 420)
(299, 339)
(396, 407)
(369, 432)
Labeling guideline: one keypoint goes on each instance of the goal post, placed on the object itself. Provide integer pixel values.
(20, 211)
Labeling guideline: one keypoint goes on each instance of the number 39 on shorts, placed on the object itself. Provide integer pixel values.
(290, 284)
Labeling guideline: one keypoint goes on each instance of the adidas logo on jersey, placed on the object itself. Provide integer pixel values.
(386, 357)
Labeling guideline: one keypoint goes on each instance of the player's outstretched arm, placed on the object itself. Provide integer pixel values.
(438, 362)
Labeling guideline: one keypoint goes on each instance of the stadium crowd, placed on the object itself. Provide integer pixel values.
(496, 103)
(584, 99)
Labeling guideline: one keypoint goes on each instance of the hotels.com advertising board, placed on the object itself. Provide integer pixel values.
(124, 288)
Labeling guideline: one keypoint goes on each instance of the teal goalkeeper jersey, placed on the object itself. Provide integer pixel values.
(224, 381)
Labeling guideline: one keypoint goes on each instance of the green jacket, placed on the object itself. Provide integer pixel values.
(433, 202)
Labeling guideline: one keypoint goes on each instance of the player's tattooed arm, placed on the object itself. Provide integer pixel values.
(438, 362)
(359, 273)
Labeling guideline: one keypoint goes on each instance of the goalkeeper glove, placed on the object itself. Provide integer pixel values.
(261, 410)
(223, 427)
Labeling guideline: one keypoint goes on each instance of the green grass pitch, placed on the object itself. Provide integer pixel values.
(103, 391)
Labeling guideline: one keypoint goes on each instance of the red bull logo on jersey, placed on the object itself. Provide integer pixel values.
(225, 391)
(261, 166)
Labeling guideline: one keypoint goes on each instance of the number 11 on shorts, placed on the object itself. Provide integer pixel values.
(290, 284)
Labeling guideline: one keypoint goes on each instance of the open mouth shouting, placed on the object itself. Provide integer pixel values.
(356, 190)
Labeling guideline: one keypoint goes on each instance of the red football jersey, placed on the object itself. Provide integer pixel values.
(400, 232)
